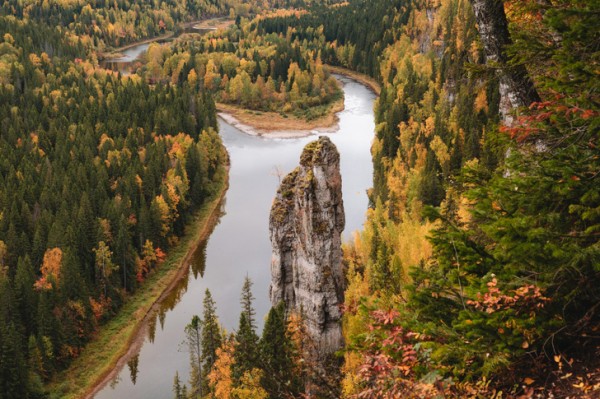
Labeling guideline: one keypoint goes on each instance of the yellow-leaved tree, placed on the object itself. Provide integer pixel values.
(250, 387)
(219, 378)
(50, 269)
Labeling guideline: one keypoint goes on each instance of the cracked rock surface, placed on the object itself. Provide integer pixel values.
(306, 222)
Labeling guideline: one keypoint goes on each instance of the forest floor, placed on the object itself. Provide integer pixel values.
(273, 124)
(120, 339)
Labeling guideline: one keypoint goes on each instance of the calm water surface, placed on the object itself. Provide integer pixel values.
(240, 245)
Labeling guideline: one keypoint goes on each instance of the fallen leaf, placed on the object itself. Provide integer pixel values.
(528, 381)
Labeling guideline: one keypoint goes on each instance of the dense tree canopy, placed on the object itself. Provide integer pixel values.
(479, 258)
(98, 175)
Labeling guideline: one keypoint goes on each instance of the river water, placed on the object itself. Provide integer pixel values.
(240, 245)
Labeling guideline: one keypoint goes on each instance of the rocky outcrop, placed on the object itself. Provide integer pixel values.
(306, 222)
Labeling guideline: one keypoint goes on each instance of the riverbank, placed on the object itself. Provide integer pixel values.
(276, 125)
(120, 339)
(357, 76)
(117, 53)
(211, 23)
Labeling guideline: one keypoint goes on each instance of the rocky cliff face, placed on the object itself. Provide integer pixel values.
(306, 222)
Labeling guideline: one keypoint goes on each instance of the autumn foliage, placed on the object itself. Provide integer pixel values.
(50, 269)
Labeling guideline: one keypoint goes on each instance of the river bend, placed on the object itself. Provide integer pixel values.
(240, 246)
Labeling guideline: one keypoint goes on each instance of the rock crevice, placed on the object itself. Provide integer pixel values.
(306, 222)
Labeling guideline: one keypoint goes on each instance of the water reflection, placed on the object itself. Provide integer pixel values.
(132, 364)
(240, 245)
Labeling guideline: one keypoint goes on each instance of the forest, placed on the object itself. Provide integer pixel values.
(103, 23)
(99, 175)
(477, 274)
(270, 73)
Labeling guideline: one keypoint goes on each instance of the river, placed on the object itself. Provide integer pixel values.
(131, 57)
(240, 245)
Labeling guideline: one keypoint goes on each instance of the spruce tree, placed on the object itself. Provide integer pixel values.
(246, 352)
(246, 302)
(13, 367)
(177, 387)
(246, 341)
(25, 296)
(275, 355)
(211, 337)
(193, 333)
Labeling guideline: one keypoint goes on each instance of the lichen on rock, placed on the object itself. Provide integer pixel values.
(306, 222)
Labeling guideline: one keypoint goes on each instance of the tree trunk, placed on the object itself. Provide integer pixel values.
(516, 88)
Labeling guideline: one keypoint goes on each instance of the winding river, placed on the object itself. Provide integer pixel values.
(127, 61)
(240, 245)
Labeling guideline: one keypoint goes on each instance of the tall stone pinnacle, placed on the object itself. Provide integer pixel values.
(306, 222)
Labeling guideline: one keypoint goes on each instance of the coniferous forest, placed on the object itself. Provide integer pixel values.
(477, 273)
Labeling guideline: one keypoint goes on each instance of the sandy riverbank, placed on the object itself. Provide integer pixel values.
(274, 125)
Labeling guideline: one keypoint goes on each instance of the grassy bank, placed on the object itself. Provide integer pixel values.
(124, 333)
